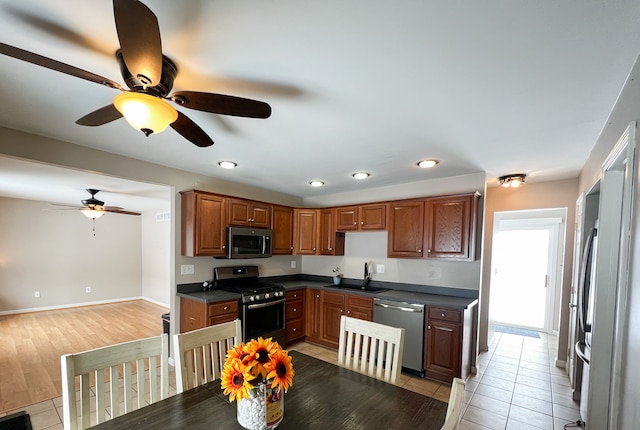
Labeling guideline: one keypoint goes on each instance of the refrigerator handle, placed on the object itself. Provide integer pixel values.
(580, 346)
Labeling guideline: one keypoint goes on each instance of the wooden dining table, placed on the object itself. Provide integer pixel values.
(323, 396)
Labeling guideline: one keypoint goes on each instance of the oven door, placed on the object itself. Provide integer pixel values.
(264, 319)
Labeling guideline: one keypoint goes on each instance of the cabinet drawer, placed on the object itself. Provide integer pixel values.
(360, 301)
(295, 294)
(294, 329)
(230, 307)
(219, 319)
(444, 314)
(294, 309)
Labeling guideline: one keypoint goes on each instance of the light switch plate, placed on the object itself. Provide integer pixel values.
(187, 269)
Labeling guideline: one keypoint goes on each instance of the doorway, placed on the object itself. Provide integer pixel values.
(527, 252)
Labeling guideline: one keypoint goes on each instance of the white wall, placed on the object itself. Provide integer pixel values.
(156, 255)
(54, 252)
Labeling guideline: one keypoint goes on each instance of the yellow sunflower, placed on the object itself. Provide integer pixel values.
(281, 370)
(235, 380)
(237, 352)
(259, 353)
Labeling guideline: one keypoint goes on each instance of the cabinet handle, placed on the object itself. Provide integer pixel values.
(429, 327)
(355, 223)
(330, 249)
(428, 251)
(361, 222)
(224, 246)
(295, 310)
(340, 310)
(192, 318)
(419, 250)
(225, 308)
(295, 329)
(314, 249)
(442, 315)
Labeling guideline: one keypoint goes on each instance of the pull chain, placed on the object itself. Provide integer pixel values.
(94, 227)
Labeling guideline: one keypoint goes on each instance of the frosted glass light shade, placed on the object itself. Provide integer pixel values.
(146, 113)
(92, 213)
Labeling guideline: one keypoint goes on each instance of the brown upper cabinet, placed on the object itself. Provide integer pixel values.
(282, 224)
(305, 228)
(249, 213)
(450, 227)
(406, 222)
(439, 227)
(203, 224)
(330, 241)
(364, 217)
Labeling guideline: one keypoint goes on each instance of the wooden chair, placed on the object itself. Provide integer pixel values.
(456, 405)
(90, 367)
(371, 348)
(200, 354)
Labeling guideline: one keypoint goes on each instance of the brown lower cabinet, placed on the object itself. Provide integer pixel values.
(324, 309)
(195, 314)
(449, 344)
(294, 315)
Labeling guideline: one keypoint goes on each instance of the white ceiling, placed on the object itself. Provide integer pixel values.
(496, 86)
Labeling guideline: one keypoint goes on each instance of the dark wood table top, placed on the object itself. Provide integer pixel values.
(323, 396)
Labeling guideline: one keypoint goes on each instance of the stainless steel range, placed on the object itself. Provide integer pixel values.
(262, 304)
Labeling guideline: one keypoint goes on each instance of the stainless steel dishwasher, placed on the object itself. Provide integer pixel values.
(409, 316)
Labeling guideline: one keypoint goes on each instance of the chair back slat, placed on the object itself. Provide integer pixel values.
(200, 354)
(118, 362)
(371, 348)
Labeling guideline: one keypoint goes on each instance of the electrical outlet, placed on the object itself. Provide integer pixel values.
(87, 289)
(187, 269)
(380, 268)
(36, 294)
(293, 264)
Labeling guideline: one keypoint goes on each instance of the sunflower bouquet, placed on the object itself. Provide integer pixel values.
(256, 362)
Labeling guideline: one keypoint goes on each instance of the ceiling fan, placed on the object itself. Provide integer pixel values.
(94, 208)
(150, 76)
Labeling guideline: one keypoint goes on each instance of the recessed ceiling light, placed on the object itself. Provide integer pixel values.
(227, 164)
(425, 164)
(316, 183)
(361, 175)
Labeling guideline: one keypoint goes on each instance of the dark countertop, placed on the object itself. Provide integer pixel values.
(450, 301)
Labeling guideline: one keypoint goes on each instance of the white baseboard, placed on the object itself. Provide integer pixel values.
(77, 305)
(561, 363)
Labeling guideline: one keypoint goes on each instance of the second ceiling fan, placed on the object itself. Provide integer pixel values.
(150, 76)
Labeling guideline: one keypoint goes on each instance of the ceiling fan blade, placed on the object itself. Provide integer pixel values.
(222, 104)
(120, 211)
(139, 36)
(101, 116)
(58, 66)
(191, 131)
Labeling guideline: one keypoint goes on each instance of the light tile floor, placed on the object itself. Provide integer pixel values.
(517, 388)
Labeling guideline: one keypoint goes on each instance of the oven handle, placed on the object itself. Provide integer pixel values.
(264, 305)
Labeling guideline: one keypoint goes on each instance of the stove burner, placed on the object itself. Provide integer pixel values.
(244, 280)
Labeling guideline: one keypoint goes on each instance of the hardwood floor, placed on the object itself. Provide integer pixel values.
(32, 343)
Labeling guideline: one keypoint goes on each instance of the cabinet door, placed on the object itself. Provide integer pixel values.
(238, 213)
(442, 348)
(305, 231)
(282, 230)
(373, 217)
(406, 221)
(331, 242)
(448, 227)
(193, 315)
(332, 309)
(347, 218)
(314, 314)
(260, 215)
(203, 224)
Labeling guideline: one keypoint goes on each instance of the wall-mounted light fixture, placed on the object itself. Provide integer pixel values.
(514, 180)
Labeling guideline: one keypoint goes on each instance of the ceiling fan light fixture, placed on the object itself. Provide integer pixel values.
(514, 180)
(92, 213)
(426, 164)
(146, 113)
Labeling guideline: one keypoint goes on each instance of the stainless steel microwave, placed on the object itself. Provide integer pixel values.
(246, 242)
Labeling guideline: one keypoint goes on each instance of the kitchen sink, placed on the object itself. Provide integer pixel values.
(360, 288)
